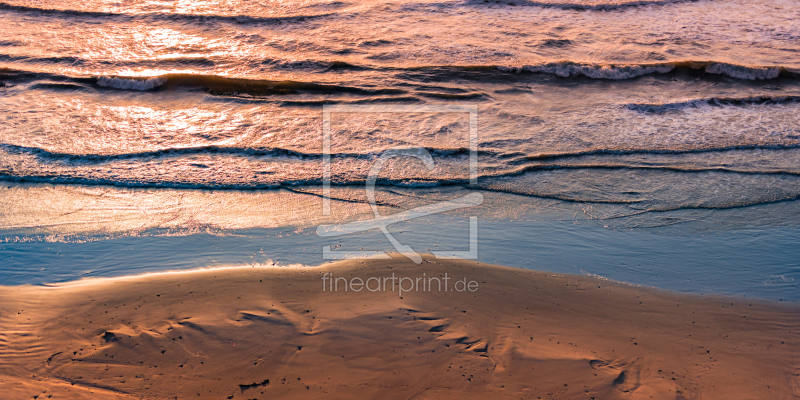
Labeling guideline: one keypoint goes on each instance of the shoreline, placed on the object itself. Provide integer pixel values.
(149, 230)
(249, 332)
(756, 263)
(334, 265)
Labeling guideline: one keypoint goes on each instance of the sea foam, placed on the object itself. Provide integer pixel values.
(130, 83)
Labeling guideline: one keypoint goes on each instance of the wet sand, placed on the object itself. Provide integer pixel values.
(258, 333)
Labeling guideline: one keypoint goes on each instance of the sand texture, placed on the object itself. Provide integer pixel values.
(265, 333)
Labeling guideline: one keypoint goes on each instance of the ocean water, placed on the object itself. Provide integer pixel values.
(652, 142)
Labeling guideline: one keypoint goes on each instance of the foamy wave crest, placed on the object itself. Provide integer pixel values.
(567, 69)
(595, 71)
(590, 5)
(742, 72)
(158, 16)
(130, 83)
(712, 101)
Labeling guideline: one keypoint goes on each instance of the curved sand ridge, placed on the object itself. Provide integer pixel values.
(244, 333)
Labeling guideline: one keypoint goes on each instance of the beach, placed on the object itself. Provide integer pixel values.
(400, 199)
(276, 332)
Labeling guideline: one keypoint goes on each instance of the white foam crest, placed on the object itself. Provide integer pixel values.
(567, 69)
(597, 71)
(130, 84)
(719, 101)
(592, 5)
(742, 72)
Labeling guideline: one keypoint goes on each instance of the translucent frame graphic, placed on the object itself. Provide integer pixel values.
(383, 222)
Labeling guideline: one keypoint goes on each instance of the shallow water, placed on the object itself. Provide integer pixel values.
(55, 233)
(756, 263)
(624, 127)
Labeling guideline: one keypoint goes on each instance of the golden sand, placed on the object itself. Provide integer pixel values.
(263, 333)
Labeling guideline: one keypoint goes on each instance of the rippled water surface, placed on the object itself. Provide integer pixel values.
(131, 118)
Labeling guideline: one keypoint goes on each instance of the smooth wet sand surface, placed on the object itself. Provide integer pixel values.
(259, 333)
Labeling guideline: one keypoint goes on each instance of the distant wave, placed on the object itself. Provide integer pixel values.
(74, 61)
(563, 69)
(228, 86)
(621, 166)
(409, 181)
(743, 72)
(584, 5)
(627, 152)
(135, 84)
(69, 60)
(255, 185)
(512, 165)
(160, 16)
(47, 155)
(511, 158)
(244, 87)
(588, 5)
(486, 183)
(567, 69)
(180, 63)
(220, 85)
(596, 71)
(711, 101)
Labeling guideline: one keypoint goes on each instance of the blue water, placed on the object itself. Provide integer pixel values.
(750, 262)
